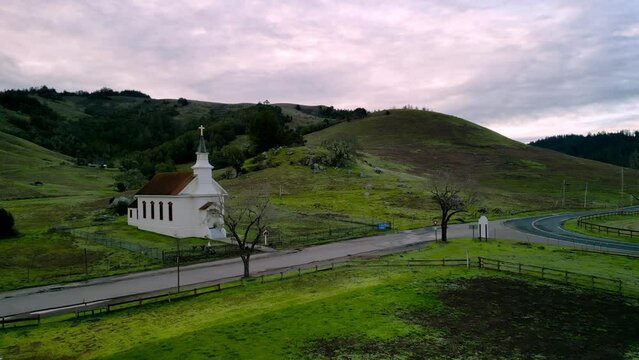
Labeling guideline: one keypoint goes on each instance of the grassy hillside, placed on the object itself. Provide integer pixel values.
(25, 163)
(369, 313)
(505, 172)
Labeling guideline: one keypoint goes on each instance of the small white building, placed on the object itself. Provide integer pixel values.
(182, 204)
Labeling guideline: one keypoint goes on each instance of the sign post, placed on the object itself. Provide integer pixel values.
(265, 235)
(483, 227)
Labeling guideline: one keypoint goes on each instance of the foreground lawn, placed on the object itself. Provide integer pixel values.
(367, 312)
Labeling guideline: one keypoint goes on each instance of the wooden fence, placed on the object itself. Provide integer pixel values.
(281, 240)
(164, 257)
(582, 221)
(609, 285)
(169, 294)
(173, 293)
(581, 280)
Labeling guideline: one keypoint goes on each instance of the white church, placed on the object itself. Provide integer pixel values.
(182, 204)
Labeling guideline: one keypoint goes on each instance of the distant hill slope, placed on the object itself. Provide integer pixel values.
(106, 126)
(620, 148)
(503, 170)
(23, 164)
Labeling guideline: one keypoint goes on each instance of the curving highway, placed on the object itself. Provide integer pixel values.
(550, 226)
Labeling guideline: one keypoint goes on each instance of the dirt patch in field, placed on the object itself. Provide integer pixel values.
(500, 318)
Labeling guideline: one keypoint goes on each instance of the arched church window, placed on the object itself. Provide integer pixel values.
(152, 210)
(161, 204)
(170, 211)
(144, 209)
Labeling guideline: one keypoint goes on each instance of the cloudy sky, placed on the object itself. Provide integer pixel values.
(526, 69)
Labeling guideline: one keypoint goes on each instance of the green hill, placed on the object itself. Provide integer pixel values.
(405, 151)
(506, 171)
(28, 170)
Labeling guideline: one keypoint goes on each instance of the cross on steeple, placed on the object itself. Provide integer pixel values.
(201, 130)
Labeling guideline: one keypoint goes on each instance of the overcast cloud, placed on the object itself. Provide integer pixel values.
(526, 69)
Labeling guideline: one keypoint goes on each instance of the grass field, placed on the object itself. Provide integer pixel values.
(630, 222)
(429, 312)
(42, 258)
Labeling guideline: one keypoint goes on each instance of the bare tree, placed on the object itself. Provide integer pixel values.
(245, 220)
(451, 202)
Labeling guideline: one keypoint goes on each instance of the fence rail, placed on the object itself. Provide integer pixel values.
(581, 222)
(165, 257)
(587, 281)
(414, 263)
(169, 294)
(281, 240)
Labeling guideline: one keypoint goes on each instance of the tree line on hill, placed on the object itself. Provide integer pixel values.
(265, 125)
(618, 148)
(143, 136)
(106, 133)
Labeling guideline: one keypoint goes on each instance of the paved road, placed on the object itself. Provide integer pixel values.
(33, 299)
(550, 226)
(541, 228)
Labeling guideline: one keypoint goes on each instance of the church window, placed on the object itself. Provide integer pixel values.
(170, 211)
(131, 213)
(144, 209)
(152, 210)
(161, 204)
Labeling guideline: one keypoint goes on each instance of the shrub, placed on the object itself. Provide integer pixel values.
(6, 224)
(120, 205)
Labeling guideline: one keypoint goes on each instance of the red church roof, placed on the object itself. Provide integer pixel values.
(170, 183)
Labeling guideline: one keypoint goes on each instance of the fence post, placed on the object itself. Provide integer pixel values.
(592, 278)
(566, 277)
(542, 271)
(86, 264)
(498, 266)
(520, 268)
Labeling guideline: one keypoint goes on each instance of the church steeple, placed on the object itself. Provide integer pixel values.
(202, 169)
(201, 148)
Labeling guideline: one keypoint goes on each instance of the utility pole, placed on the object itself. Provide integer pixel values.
(586, 196)
(621, 204)
(563, 194)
